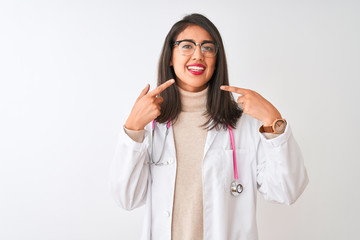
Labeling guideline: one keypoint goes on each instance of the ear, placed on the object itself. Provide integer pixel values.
(170, 63)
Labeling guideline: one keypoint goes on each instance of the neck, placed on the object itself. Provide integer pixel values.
(193, 101)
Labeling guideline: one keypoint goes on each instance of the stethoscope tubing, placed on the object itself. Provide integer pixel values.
(157, 163)
(234, 153)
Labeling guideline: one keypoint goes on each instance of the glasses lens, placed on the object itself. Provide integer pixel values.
(208, 49)
(186, 48)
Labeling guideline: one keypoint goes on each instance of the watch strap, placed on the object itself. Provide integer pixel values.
(266, 129)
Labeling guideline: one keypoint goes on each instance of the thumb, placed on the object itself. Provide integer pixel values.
(144, 91)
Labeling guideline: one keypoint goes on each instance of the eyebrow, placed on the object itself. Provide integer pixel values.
(191, 40)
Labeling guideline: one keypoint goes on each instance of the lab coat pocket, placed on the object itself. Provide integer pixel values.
(243, 167)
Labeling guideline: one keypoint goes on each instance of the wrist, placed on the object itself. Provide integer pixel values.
(270, 121)
(132, 126)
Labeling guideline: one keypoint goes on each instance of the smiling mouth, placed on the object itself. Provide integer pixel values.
(196, 68)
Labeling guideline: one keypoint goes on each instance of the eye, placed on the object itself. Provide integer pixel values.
(209, 47)
(187, 46)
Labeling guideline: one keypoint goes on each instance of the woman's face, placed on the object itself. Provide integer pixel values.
(194, 71)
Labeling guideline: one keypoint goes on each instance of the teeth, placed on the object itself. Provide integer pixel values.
(195, 68)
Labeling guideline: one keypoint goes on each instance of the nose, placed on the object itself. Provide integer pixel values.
(197, 53)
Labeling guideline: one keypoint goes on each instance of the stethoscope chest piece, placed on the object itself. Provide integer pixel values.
(236, 188)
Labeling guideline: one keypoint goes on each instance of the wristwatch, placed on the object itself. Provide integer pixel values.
(277, 127)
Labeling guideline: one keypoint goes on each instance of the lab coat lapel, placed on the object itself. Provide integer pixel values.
(209, 139)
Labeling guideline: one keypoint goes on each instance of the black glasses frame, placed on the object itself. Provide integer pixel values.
(201, 44)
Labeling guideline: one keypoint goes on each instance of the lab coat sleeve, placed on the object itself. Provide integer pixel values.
(281, 174)
(129, 173)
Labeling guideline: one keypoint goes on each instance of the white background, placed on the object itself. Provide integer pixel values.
(71, 70)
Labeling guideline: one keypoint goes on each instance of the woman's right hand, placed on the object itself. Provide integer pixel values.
(147, 107)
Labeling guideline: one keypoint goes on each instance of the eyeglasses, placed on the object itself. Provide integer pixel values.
(187, 47)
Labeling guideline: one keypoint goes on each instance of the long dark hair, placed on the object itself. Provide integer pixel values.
(222, 109)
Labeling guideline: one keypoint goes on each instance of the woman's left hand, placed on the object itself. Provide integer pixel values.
(255, 105)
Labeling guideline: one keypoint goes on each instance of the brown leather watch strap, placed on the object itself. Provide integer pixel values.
(267, 129)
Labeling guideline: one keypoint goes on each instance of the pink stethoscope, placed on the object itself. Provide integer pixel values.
(235, 188)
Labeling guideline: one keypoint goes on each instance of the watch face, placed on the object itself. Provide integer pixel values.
(279, 126)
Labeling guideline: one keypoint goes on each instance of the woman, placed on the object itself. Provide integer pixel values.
(198, 166)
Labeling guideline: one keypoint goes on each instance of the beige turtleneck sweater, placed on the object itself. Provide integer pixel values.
(190, 138)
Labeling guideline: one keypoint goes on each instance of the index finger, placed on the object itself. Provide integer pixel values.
(234, 89)
(161, 88)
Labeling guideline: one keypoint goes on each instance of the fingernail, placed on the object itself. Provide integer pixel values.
(222, 87)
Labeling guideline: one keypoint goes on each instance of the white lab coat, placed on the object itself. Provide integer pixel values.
(275, 167)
